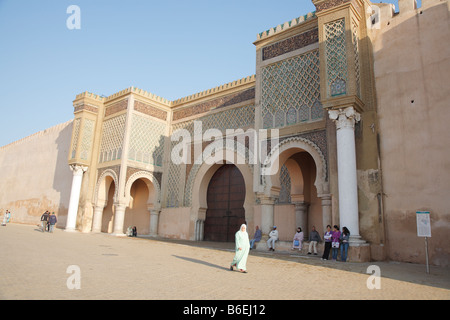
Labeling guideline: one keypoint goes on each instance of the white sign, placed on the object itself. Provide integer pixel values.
(423, 224)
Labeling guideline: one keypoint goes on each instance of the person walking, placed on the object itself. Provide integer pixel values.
(335, 242)
(52, 220)
(44, 220)
(327, 248)
(314, 238)
(345, 237)
(242, 250)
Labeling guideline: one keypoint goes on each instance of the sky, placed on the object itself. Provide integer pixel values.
(171, 48)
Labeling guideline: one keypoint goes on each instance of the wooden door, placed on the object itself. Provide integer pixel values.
(225, 198)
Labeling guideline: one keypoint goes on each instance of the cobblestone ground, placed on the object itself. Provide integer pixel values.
(33, 265)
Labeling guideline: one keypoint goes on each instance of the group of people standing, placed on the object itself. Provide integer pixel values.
(335, 240)
(48, 221)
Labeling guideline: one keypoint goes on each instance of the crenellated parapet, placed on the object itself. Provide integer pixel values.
(286, 26)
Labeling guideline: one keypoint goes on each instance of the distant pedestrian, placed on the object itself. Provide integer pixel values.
(52, 220)
(327, 238)
(5, 217)
(8, 216)
(314, 239)
(242, 250)
(345, 237)
(44, 220)
(335, 242)
(134, 231)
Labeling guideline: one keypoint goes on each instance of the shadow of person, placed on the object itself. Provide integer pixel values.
(202, 262)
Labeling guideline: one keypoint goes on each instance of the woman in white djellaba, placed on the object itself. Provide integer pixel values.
(242, 250)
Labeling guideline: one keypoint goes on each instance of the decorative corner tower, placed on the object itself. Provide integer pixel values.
(342, 95)
(87, 108)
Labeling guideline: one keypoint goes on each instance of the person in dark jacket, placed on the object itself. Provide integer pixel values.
(52, 221)
(314, 238)
(256, 237)
(44, 221)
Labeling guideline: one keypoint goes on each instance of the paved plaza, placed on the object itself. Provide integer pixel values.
(36, 265)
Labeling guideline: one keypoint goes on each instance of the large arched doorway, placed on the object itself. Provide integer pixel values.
(225, 200)
(107, 218)
(137, 213)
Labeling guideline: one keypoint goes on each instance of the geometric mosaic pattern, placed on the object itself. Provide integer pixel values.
(336, 58)
(112, 138)
(355, 40)
(291, 91)
(229, 119)
(285, 184)
(76, 133)
(88, 137)
(146, 140)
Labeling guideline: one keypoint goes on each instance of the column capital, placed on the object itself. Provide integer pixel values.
(154, 212)
(78, 169)
(267, 200)
(300, 205)
(345, 118)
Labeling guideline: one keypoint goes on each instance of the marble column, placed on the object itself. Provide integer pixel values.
(74, 196)
(326, 211)
(119, 218)
(97, 220)
(267, 204)
(301, 216)
(345, 120)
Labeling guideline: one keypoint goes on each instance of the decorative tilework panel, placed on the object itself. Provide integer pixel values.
(146, 140)
(285, 184)
(173, 184)
(336, 58)
(112, 138)
(355, 40)
(229, 119)
(290, 89)
(291, 44)
(76, 133)
(86, 140)
(236, 118)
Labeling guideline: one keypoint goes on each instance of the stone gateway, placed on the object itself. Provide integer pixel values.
(349, 103)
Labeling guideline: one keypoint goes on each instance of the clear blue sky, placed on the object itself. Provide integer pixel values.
(171, 48)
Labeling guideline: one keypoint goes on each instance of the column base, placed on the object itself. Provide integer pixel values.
(359, 253)
(119, 234)
(356, 241)
(359, 250)
(70, 230)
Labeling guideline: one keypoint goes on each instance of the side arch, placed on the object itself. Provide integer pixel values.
(102, 187)
(152, 185)
(283, 151)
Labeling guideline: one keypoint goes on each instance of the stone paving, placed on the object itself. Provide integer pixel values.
(35, 265)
